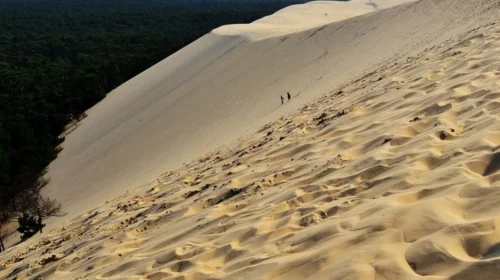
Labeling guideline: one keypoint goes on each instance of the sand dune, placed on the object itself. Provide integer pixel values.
(185, 105)
(383, 166)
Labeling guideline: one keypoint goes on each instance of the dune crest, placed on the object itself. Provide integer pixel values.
(301, 17)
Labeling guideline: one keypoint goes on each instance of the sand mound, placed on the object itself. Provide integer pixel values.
(391, 176)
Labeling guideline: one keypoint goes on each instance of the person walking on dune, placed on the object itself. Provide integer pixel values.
(282, 100)
(289, 96)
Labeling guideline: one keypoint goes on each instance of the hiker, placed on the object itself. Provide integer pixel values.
(282, 100)
(289, 96)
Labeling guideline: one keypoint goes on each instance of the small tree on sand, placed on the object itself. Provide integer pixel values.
(34, 209)
(27, 206)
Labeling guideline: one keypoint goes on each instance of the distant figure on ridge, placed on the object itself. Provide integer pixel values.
(282, 100)
(289, 96)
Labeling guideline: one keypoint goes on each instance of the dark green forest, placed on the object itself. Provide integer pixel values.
(58, 58)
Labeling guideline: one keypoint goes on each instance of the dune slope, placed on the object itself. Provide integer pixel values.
(221, 87)
(392, 175)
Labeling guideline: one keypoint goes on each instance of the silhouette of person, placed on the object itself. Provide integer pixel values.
(289, 96)
(282, 100)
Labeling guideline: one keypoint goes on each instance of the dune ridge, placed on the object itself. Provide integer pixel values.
(393, 175)
(302, 17)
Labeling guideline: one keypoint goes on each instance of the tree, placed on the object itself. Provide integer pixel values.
(31, 209)
(44, 207)
(34, 209)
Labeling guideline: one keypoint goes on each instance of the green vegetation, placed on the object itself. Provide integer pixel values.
(59, 57)
(29, 226)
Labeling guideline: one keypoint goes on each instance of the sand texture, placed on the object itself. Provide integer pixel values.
(220, 88)
(388, 173)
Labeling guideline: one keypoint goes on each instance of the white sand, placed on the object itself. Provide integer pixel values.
(383, 166)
